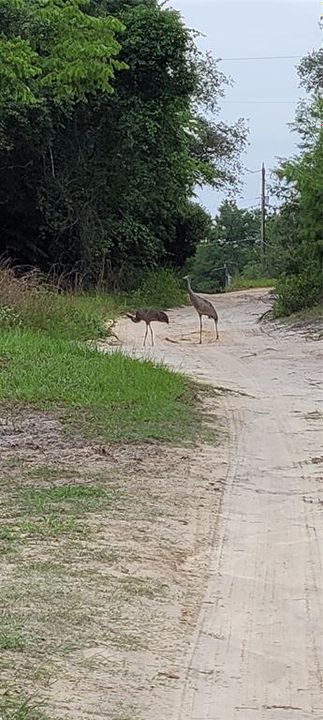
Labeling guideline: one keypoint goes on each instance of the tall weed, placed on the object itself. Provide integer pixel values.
(34, 302)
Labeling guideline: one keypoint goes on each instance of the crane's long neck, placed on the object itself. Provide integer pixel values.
(190, 291)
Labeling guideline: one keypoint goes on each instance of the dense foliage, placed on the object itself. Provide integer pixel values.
(296, 231)
(293, 249)
(231, 239)
(103, 138)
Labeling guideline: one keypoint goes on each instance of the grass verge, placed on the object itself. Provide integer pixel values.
(82, 609)
(311, 314)
(15, 706)
(30, 302)
(74, 520)
(108, 396)
(241, 283)
(111, 397)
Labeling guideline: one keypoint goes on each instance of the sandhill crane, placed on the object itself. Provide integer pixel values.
(149, 316)
(202, 307)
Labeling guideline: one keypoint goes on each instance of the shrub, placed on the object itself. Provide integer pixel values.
(162, 289)
(297, 292)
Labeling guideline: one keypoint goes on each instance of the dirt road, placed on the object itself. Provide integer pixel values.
(257, 651)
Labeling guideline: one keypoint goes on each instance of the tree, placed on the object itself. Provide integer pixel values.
(53, 50)
(233, 241)
(192, 224)
(310, 71)
(53, 57)
(99, 181)
(300, 185)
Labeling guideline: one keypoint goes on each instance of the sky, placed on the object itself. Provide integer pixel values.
(265, 91)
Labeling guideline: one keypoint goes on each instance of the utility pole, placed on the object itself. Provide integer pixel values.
(263, 212)
(227, 277)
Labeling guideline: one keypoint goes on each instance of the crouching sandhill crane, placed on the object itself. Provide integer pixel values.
(149, 316)
(202, 307)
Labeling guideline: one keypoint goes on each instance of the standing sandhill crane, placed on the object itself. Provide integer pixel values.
(149, 316)
(202, 307)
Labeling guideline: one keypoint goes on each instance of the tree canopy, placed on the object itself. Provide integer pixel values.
(296, 231)
(293, 250)
(103, 136)
(231, 239)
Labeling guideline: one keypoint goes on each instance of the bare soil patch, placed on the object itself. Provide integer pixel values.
(104, 552)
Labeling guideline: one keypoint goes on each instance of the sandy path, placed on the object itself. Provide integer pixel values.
(257, 651)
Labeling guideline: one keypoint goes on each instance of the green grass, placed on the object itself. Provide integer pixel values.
(31, 303)
(76, 496)
(60, 591)
(52, 526)
(44, 513)
(71, 317)
(241, 283)
(45, 602)
(11, 634)
(68, 316)
(14, 706)
(110, 396)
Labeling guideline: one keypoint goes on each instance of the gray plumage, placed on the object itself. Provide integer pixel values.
(148, 315)
(202, 307)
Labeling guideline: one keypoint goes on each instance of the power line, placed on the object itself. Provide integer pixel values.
(262, 102)
(263, 212)
(264, 57)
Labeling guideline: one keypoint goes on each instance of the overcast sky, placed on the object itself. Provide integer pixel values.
(265, 91)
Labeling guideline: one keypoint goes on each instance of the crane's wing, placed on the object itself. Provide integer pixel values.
(206, 307)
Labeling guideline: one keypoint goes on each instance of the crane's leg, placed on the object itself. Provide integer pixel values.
(152, 335)
(216, 330)
(146, 333)
(201, 329)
